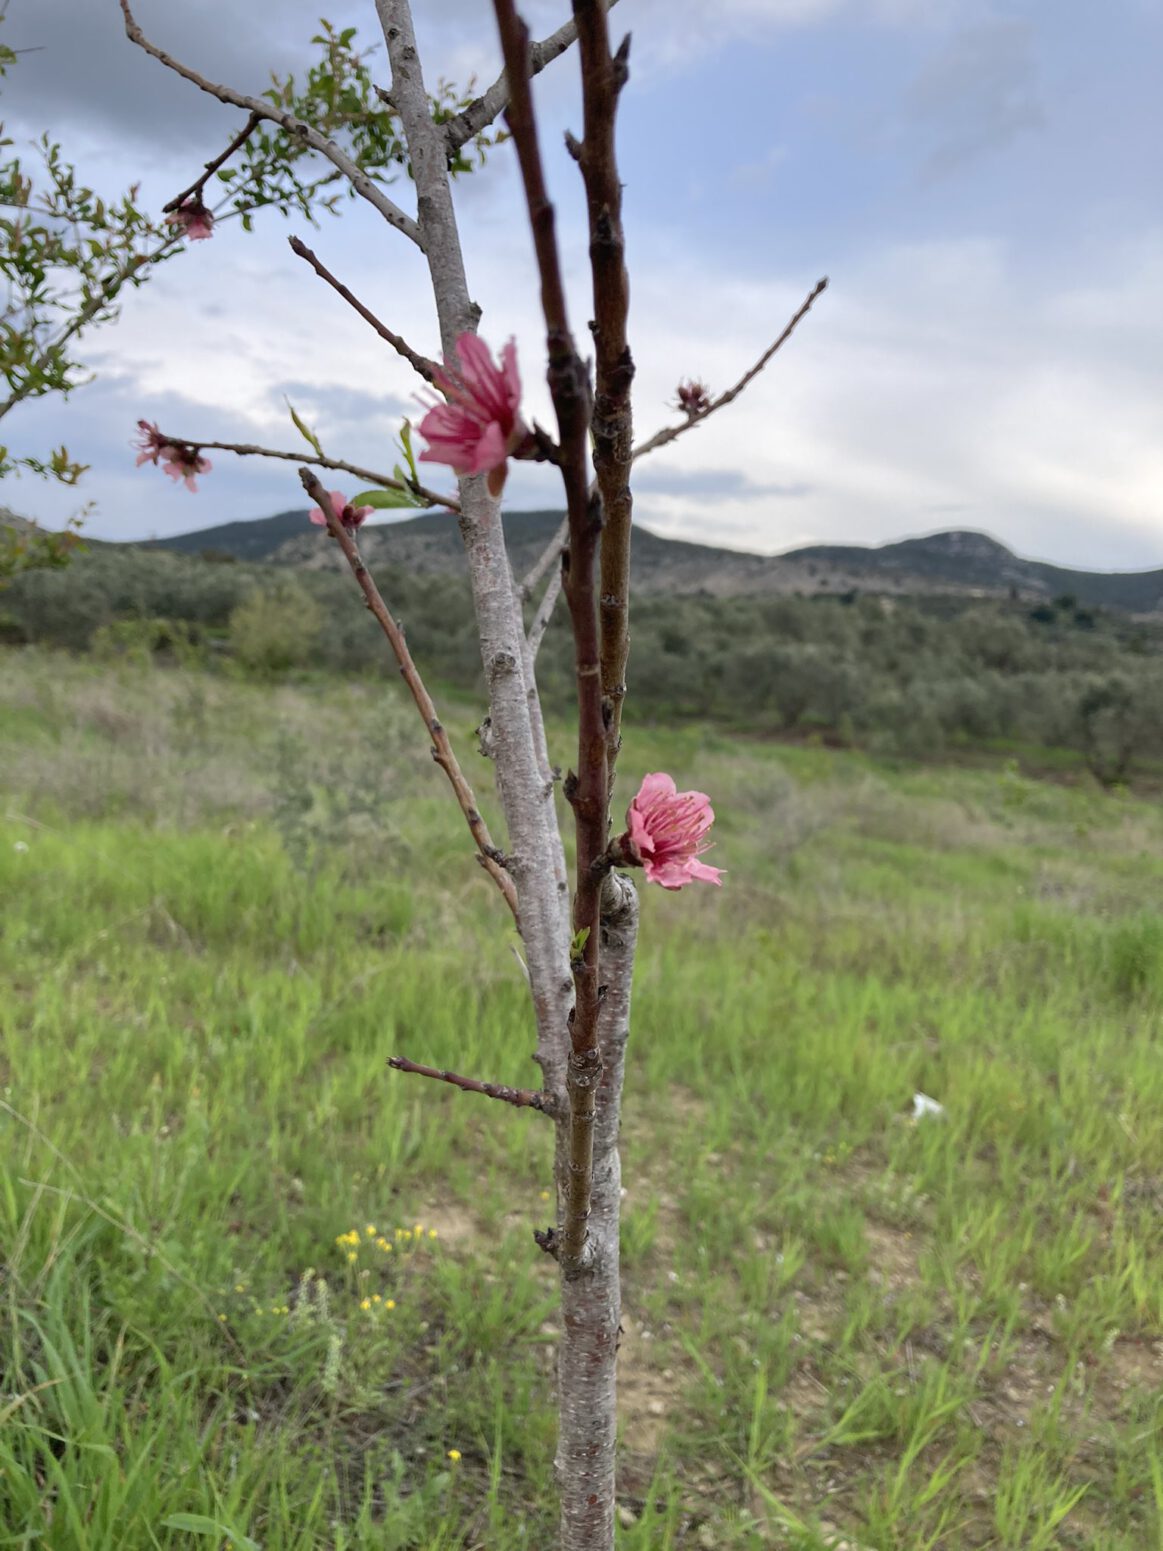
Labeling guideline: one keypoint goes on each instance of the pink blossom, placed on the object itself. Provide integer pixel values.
(480, 426)
(350, 516)
(180, 460)
(694, 398)
(183, 463)
(151, 444)
(194, 220)
(665, 835)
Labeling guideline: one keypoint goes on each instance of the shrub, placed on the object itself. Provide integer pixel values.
(276, 628)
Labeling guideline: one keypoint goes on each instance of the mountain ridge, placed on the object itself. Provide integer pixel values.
(963, 562)
(955, 562)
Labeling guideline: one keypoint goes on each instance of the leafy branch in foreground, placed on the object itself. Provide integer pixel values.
(68, 253)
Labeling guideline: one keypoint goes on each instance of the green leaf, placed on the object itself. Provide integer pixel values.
(406, 444)
(384, 500)
(578, 946)
(199, 1524)
(305, 430)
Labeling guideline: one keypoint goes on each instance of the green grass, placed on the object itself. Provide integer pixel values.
(226, 904)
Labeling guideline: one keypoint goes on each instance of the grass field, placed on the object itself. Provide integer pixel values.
(226, 904)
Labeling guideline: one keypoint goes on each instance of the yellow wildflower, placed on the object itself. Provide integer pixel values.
(454, 1455)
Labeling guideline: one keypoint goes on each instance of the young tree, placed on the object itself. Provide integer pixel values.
(578, 937)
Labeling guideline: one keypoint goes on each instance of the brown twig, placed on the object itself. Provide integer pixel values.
(670, 433)
(586, 791)
(481, 112)
(667, 435)
(387, 481)
(442, 753)
(521, 1098)
(419, 363)
(603, 76)
(364, 186)
(211, 167)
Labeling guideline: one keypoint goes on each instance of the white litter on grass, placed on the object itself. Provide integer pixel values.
(924, 1106)
(20, 847)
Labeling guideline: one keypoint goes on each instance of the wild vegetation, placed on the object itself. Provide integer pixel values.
(257, 1290)
(915, 676)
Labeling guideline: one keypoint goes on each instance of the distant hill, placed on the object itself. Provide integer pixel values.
(958, 563)
(256, 540)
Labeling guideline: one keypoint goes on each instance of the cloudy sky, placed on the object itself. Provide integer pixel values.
(978, 178)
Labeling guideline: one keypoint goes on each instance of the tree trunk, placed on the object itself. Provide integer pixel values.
(591, 1303)
(536, 859)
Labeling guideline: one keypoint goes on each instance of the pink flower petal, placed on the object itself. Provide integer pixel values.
(665, 830)
(479, 425)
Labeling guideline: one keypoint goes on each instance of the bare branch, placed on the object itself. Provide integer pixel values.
(441, 747)
(527, 795)
(364, 186)
(544, 614)
(661, 439)
(387, 481)
(419, 363)
(521, 1098)
(481, 112)
(211, 167)
(671, 433)
(586, 791)
(551, 553)
(604, 74)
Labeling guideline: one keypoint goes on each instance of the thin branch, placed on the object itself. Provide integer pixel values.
(481, 112)
(671, 433)
(249, 450)
(586, 791)
(604, 74)
(662, 438)
(521, 1098)
(442, 753)
(527, 796)
(419, 363)
(544, 612)
(211, 167)
(364, 186)
(551, 553)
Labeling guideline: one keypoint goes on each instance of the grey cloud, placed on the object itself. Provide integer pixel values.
(345, 405)
(977, 95)
(728, 484)
(99, 425)
(85, 76)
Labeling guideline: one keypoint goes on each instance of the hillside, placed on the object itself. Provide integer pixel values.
(958, 563)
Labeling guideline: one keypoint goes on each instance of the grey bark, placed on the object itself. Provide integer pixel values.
(483, 110)
(591, 1303)
(526, 789)
(591, 1299)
